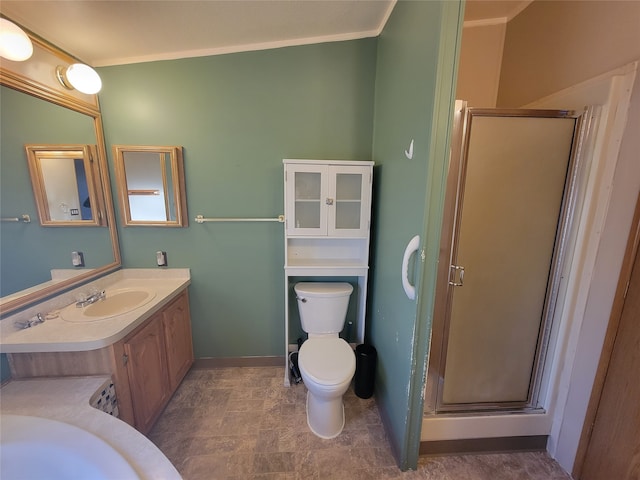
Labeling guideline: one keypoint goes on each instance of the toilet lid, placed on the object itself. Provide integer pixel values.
(327, 361)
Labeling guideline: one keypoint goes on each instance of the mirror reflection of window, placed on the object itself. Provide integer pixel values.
(147, 186)
(67, 191)
(63, 184)
(151, 185)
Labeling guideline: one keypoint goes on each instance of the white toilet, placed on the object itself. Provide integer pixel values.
(326, 362)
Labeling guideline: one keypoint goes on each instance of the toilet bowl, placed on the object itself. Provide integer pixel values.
(326, 362)
(327, 365)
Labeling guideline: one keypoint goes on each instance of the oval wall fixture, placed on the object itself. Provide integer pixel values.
(80, 77)
(14, 43)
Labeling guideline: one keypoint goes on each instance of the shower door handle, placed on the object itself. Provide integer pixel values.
(459, 270)
(412, 247)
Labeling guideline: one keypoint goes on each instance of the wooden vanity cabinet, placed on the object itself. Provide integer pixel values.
(178, 340)
(157, 356)
(147, 365)
(145, 360)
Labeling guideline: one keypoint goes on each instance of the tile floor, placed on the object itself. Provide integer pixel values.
(241, 423)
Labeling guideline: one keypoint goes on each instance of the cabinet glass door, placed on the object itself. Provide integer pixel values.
(349, 215)
(307, 189)
(307, 200)
(348, 201)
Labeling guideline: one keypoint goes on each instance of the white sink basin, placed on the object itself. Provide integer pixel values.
(34, 447)
(117, 302)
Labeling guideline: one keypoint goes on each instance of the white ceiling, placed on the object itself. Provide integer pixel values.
(113, 32)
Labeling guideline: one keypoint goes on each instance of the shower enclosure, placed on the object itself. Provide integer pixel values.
(507, 213)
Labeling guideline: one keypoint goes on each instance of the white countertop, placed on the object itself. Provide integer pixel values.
(58, 335)
(67, 400)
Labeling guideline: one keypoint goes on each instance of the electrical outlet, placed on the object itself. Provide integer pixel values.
(161, 258)
(77, 259)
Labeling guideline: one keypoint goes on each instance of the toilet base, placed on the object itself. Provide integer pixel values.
(325, 417)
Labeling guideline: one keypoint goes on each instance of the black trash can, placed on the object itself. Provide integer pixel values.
(366, 357)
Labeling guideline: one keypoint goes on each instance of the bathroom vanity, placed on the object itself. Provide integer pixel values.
(147, 350)
(328, 212)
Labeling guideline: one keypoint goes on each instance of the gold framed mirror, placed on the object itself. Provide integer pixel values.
(36, 110)
(151, 186)
(65, 182)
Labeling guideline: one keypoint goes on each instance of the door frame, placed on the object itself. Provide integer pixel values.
(454, 199)
(570, 368)
(631, 250)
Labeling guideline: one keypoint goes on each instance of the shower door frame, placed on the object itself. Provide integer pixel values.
(446, 285)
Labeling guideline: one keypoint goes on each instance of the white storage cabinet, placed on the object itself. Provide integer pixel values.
(327, 223)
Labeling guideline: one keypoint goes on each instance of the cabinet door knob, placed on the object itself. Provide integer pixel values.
(125, 359)
(329, 201)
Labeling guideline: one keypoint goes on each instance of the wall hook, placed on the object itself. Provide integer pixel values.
(409, 153)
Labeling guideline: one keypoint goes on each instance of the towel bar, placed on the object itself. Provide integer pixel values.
(202, 219)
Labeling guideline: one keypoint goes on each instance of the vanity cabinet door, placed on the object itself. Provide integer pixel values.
(177, 338)
(148, 380)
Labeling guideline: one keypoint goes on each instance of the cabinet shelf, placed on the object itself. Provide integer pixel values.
(323, 251)
(326, 264)
(317, 200)
(316, 237)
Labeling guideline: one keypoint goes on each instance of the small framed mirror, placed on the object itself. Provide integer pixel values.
(151, 186)
(66, 185)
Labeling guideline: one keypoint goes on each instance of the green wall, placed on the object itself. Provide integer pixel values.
(237, 116)
(415, 76)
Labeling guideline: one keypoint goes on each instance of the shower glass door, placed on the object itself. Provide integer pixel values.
(510, 206)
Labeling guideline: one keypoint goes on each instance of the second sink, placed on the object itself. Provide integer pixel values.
(117, 302)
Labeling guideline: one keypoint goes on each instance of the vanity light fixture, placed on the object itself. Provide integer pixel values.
(80, 77)
(15, 44)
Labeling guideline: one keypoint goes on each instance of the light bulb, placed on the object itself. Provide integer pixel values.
(14, 43)
(84, 78)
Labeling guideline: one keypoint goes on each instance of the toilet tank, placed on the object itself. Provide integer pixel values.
(323, 305)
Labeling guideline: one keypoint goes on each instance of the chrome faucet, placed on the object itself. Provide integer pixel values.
(93, 298)
(22, 324)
